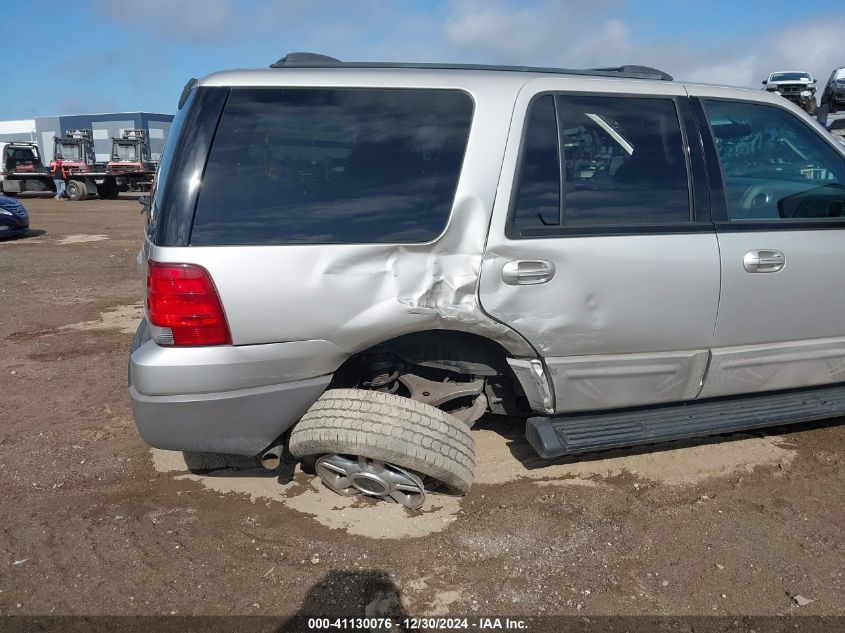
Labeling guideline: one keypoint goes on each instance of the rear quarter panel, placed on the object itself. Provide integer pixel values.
(357, 295)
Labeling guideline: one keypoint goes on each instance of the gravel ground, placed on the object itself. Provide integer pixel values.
(94, 522)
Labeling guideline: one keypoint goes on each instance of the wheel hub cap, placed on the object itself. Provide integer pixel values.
(351, 475)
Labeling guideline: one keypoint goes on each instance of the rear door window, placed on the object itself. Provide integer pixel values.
(538, 188)
(618, 162)
(624, 161)
(332, 166)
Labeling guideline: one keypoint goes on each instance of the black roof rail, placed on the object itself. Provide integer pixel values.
(315, 60)
(186, 91)
(305, 59)
(632, 70)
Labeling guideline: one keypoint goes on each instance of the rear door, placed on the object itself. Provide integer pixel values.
(779, 209)
(601, 251)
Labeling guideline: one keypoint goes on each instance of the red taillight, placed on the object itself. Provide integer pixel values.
(183, 306)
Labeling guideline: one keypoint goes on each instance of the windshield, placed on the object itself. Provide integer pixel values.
(126, 153)
(789, 76)
(28, 153)
(69, 152)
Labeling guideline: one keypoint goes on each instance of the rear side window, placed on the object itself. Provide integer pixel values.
(619, 162)
(332, 166)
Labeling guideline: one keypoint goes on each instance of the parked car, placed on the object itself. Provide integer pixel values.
(797, 86)
(836, 126)
(14, 219)
(376, 255)
(834, 92)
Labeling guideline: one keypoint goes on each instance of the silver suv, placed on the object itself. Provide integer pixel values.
(358, 261)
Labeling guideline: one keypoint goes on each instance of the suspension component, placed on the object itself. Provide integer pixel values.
(438, 394)
(384, 375)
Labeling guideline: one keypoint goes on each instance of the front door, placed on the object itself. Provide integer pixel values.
(781, 233)
(595, 254)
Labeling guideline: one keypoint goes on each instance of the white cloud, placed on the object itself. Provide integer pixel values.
(816, 45)
(566, 33)
(573, 35)
(733, 72)
(491, 29)
(548, 33)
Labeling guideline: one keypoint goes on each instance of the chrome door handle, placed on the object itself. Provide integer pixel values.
(523, 272)
(763, 261)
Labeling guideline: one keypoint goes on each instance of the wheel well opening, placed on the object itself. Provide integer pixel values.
(462, 373)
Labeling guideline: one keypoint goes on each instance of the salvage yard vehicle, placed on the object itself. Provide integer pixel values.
(797, 86)
(129, 169)
(85, 176)
(22, 170)
(837, 128)
(834, 92)
(76, 151)
(357, 261)
(130, 155)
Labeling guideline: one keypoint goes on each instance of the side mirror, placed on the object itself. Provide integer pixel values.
(765, 81)
(814, 82)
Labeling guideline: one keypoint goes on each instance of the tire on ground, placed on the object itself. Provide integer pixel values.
(76, 190)
(383, 426)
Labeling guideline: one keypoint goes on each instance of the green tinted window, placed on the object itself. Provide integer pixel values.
(775, 166)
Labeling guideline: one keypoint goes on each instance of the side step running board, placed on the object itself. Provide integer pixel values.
(557, 436)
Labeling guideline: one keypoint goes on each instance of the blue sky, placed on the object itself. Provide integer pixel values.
(102, 55)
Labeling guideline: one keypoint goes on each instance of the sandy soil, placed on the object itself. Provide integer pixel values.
(95, 522)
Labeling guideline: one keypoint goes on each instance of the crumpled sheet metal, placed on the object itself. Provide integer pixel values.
(437, 283)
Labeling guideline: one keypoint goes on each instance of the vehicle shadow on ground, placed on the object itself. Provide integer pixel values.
(222, 465)
(34, 195)
(513, 430)
(23, 236)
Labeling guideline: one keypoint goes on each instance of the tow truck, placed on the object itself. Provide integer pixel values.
(76, 151)
(85, 176)
(130, 167)
(130, 158)
(22, 170)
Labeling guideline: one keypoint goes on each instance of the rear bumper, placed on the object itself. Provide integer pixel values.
(226, 399)
(242, 422)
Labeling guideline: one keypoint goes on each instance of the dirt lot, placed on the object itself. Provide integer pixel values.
(94, 522)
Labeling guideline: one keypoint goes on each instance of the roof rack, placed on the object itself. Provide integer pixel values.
(315, 60)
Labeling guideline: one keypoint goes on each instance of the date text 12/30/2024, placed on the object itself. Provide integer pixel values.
(417, 624)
